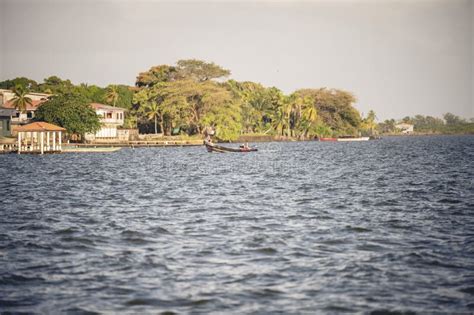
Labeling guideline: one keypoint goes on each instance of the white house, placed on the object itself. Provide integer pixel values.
(405, 128)
(6, 101)
(110, 118)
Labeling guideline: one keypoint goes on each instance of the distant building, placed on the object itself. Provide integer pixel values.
(110, 118)
(6, 116)
(6, 101)
(405, 128)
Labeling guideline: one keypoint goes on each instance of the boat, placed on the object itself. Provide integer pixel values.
(75, 149)
(211, 147)
(347, 139)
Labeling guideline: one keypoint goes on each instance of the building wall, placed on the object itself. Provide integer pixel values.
(107, 132)
(5, 130)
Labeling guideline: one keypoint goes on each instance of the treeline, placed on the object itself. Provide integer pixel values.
(449, 124)
(192, 95)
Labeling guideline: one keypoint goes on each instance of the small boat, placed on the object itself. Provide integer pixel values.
(346, 139)
(211, 147)
(327, 139)
(72, 149)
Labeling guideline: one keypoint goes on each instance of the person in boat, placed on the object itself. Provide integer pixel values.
(245, 146)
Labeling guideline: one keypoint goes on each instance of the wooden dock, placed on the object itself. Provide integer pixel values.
(143, 143)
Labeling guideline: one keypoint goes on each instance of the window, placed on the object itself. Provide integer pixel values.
(109, 115)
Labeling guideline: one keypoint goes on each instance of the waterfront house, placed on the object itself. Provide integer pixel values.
(6, 116)
(110, 119)
(405, 128)
(6, 101)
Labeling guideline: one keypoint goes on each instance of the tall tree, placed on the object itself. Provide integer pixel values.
(153, 112)
(200, 71)
(156, 75)
(112, 94)
(369, 124)
(71, 111)
(25, 83)
(21, 100)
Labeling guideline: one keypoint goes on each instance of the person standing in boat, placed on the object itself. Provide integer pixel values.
(208, 132)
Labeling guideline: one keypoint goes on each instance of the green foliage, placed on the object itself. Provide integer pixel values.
(190, 105)
(369, 126)
(191, 96)
(335, 108)
(198, 70)
(22, 82)
(71, 111)
(452, 124)
(20, 100)
(388, 126)
(55, 85)
(156, 75)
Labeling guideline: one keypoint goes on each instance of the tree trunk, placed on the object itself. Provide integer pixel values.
(156, 125)
(162, 127)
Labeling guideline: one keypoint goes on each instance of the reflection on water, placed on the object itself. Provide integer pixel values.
(293, 228)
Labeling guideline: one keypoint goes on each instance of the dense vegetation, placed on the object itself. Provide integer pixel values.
(450, 124)
(71, 111)
(192, 95)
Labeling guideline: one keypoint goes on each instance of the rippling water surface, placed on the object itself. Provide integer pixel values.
(294, 228)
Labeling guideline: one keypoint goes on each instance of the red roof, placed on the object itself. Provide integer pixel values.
(106, 107)
(33, 106)
(39, 126)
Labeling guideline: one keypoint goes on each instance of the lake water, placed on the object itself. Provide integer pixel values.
(379, 226)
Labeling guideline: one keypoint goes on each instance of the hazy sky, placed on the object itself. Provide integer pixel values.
(399, 57)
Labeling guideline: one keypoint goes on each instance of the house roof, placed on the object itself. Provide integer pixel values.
(39, 126)
(107, 107)
(33, 106)
(46, 95)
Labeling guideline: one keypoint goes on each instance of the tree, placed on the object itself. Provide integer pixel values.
(368, 124)
(452, 119)
(25, 83)
(112, 94)
(200, 71)
(335, 109)
(21, 100)
(55, 85)
(155, 75)
(71, 111)
(153, 111)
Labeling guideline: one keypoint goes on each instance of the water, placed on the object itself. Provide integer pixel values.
(294, 228)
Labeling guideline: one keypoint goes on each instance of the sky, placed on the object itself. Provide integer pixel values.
(399, 57)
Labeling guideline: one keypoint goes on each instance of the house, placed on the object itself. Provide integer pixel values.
(6, 101)
(6, 116)
(110, 119)
(405, 128)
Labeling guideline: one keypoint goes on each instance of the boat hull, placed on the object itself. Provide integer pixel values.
(353, 139)
(211, 147)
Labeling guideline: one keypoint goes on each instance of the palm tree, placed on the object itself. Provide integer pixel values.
(21, 100)
(112, 95)
(287, 109)
(153, 111)
(369, 122)
(310, 115)
(278, 120)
